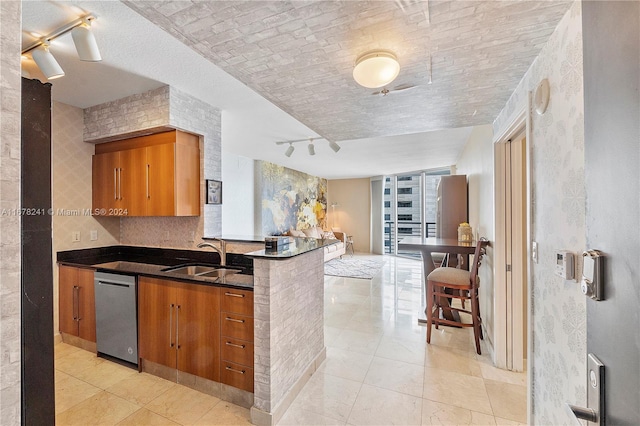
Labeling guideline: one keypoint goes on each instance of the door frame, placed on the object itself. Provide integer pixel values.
(505, 348)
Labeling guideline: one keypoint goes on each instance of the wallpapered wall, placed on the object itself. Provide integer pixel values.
(71, 191)
(289, 199)
(558, 220)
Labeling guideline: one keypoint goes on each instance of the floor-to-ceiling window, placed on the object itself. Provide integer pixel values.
(410, 204)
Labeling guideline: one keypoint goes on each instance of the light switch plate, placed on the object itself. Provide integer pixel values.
(534, 251)
(75, 236)
(93, 235)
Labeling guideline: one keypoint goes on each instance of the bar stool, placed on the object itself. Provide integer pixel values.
(446, 283)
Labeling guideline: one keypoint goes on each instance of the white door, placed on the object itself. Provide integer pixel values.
(510, 250)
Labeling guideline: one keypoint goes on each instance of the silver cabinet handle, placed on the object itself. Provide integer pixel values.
(233, 294)
(76, 302)
(115, 183)
(170, 325)
(234, 370)
(178, 326)
(233, 319)
(120, 183)
(148, 195)
(234, 345)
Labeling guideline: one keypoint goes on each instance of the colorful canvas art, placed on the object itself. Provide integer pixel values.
(290, 199)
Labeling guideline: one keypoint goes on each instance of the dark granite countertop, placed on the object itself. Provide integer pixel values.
(150, 261)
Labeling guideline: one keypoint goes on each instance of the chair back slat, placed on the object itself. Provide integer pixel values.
(477, 260)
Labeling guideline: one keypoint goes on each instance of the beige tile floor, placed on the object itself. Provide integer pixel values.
(379, 371)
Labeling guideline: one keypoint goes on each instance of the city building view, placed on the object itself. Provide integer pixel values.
(410, 205)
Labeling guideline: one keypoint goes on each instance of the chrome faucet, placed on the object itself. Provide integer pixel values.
(222, 250)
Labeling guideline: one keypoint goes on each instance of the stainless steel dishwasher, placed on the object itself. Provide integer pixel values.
(116, 316)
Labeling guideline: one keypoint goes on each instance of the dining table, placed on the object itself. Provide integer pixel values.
(429, 245)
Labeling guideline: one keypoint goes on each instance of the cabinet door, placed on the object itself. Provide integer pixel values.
(160, 180)
(133, 182)
(199, 330)
(67, 300)
(156, 321)
(86, 305)
(105, 169)
(187, 180)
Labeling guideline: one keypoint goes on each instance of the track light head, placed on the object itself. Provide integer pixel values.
(312, 150)
(46, 62)
(289, 150)
(334, 146)
(85, 42)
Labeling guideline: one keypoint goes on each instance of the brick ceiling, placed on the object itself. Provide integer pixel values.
(300, 56)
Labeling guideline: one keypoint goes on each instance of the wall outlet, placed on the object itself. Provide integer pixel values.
(534, 251)
(75, 236)
(93, 235)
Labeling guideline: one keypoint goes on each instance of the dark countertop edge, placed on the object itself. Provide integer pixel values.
(306, 245)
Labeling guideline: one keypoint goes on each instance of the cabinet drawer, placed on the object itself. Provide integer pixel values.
(238, 376)
(238, 326)
(236, 351)
(237, 301)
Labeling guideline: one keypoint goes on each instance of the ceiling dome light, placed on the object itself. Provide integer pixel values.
(85, 42)
(376, 69)
(46, 62)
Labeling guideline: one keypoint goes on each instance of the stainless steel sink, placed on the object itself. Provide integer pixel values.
(221, 272)
(201, 270)
(190, 269)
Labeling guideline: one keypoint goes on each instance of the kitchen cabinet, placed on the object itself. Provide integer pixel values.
(77, 302)
(153, 175)
(179, 326)
(236, 338)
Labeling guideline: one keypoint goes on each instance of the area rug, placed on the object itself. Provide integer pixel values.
(353, 267)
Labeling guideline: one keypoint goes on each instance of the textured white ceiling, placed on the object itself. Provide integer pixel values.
(282, 70)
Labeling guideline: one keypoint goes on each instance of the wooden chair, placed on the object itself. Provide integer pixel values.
(445, 284)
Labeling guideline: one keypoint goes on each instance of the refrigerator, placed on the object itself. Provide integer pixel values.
(451, 205)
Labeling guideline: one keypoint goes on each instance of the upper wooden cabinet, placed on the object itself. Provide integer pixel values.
(154, 175)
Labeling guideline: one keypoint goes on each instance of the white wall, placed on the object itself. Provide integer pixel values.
(353, 214)
(558, 221)
(476, 161)
(238, 208)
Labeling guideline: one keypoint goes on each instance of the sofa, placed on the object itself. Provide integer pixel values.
(331, 251)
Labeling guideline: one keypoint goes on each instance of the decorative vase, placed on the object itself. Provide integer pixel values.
(465, 233)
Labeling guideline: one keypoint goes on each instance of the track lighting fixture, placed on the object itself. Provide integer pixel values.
(311, 147)
(85, 42)
(289, 150)
(46, 62)
(83, 39)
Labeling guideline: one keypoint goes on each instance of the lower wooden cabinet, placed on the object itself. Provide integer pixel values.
(76, 302)
(202, 330)
(236, 336)
(237, 375)
(179, 326)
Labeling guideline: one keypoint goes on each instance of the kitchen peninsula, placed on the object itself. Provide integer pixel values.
(287, 316)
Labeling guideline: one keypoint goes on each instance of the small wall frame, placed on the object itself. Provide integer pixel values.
(214, 191)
